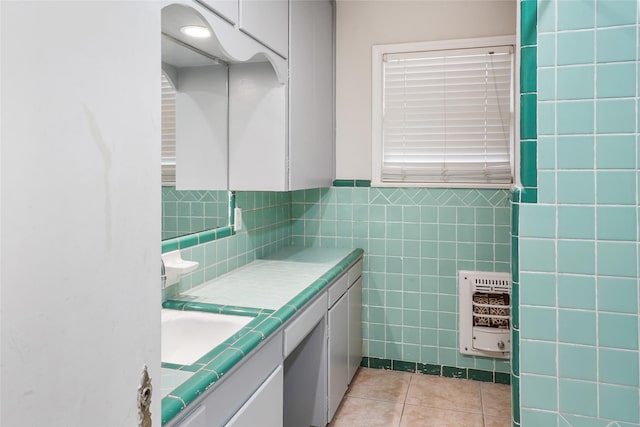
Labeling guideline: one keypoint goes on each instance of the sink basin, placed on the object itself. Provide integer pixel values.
(189, 335)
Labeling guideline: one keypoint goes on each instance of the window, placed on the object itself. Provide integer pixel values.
(443, 113)
(168, 118)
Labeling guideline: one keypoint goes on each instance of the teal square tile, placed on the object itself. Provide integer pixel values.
(546, 84)
(616, 12)
(538, 289)
(575, 47)
(618, 367)
(578, 327)
(575, 152)
(619, 403)
(546, 186)
(616, 80)
(576, 291)
(538, 221)
(618, 331)
(616, 44)
(537, 357)
(532, 417)
(575, 82)
(575, 187)
(546, 16)
(576, 222)
(616, 116)
(546, 118)
(578, 362)
(617, 223)
(537, 255)
(537, 323)
(574, 15)
(575, 117)
(618, 294)
(528, 67)
(616, 187)
(578, 397)
(615, 152)
(528, 116)
(547, 50)
(576, 256)
(528, 21)
(538, 392)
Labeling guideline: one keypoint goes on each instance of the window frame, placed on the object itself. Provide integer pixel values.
(377, 89)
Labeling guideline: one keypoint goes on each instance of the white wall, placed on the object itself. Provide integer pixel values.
(362, 24)
(80, 150)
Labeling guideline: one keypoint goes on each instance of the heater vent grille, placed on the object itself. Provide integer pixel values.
(485, 313)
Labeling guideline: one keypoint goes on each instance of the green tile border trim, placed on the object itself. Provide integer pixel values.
(529, 163)
(437, 370)
(351, 183)
(215, 308)
(196, 238)
(221, 359)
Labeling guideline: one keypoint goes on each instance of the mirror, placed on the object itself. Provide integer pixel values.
(194, 128)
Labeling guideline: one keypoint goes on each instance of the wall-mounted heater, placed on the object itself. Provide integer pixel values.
(485, 314)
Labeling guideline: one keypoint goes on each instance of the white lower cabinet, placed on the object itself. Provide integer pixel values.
(355, 327)
(338, 353)
(264, 408)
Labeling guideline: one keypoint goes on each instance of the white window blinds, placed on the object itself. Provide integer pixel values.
(168, 132)
(447, 116)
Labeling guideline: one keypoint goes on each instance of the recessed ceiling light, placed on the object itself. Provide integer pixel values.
(195, 31)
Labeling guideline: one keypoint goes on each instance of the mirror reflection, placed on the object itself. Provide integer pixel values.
(194, 130)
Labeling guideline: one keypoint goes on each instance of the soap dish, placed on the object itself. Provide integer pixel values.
(176, 267)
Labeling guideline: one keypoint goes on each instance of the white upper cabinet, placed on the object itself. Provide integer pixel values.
(281, 138)
(311, 95)
(268, 22)
(226, 9)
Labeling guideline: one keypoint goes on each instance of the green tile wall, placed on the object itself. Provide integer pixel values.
(415, 241)
(186, 212)
(266, 228)
(578, 247)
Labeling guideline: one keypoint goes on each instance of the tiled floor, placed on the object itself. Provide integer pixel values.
(384, 398)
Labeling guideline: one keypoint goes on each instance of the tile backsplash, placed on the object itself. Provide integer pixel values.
(415, 241)
(266, 228)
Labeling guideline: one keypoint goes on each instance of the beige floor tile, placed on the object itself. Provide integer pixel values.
(444, 393)
(419, 416)
(496, 399)
(497, 421)
(380, 384)
(357, 412)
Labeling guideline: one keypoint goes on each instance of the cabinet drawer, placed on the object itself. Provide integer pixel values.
(355, 272)
(303, 324)
(338, 288)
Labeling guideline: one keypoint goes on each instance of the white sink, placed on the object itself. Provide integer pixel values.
(189, 335)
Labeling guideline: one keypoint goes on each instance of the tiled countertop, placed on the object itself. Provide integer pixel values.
(271, 290)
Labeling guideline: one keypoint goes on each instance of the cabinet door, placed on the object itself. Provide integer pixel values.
(311, 95)
(338, 353)
(264, 408)
(268, 22)
(355, 327)
(227, 9)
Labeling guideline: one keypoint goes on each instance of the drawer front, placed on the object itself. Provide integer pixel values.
(355, 272)
(338, 288)
(303, 324)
